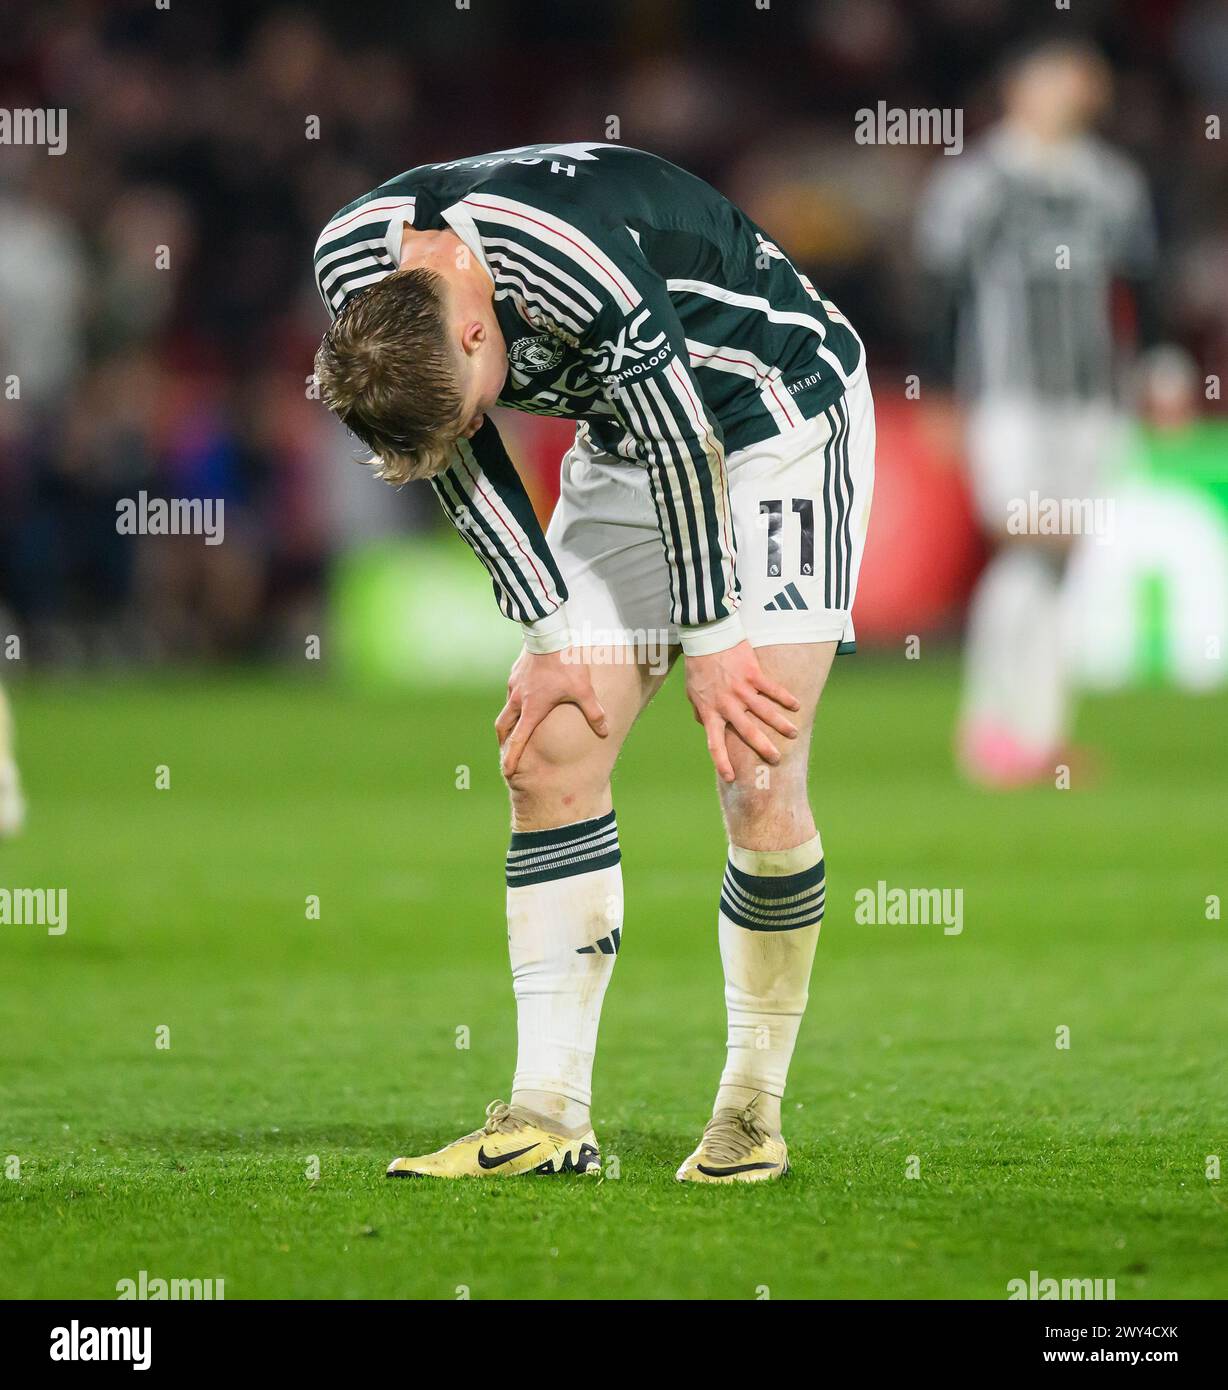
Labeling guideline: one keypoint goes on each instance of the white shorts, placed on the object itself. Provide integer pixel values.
(800, 503)
(1057, 450)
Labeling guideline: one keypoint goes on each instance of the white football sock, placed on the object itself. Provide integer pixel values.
(564, 927)
(771, 911)
(1014, 676)
(12, 808)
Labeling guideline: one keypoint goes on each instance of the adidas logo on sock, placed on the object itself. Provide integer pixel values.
(788, 598)
(608, 945)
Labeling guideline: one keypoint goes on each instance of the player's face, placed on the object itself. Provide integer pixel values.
(1060, 93)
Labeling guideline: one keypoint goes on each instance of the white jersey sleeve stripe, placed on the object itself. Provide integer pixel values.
(346, 268)
(740, 362)
(560, 236)
(368, 212)
(683, 387)
(484, 497)
(512, 599)
(762, 306)
(531, 294)
(515, 250)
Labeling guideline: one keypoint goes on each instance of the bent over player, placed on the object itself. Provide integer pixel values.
(717, 494)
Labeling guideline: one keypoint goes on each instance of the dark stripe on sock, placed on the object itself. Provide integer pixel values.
(538, 856)
(791, 912)
(778, 886)
(763, 903)
(560, 835)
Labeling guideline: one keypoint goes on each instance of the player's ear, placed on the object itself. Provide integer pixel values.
(473, 336)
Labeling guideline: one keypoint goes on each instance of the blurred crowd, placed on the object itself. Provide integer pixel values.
(157, 311)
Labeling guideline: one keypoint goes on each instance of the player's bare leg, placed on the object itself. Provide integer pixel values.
(565, 915)
(12, 807)
(771, 910)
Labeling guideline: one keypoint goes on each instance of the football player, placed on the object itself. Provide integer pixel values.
(716, 497)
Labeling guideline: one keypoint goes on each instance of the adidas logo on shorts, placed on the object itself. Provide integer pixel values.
(788, 598)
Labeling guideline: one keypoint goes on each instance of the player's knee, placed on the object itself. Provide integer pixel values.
(763, 801)
(545, 794)
(561, 775)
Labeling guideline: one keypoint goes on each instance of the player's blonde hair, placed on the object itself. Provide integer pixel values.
(388, 371)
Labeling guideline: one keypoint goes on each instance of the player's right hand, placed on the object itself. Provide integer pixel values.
(540, 681)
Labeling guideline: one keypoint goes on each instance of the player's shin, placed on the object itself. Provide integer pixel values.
(770, 914)
(565, 916)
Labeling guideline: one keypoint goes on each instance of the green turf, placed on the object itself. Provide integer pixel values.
(336, 1038)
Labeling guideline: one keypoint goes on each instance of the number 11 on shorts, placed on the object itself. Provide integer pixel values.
(774, 510)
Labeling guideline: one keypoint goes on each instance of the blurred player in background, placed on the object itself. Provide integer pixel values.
(12, 808)
(1026, 239)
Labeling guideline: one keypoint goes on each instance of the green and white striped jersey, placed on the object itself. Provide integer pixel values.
(635, 300)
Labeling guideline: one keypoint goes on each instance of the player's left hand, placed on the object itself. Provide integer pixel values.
(539, 681)
(725, 689)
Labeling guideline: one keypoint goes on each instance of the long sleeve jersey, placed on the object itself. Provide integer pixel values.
(634, 299)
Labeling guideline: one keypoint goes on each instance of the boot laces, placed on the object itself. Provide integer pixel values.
(730, 1135)
(499, 1120)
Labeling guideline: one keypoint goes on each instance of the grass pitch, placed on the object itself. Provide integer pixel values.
(335, 1040)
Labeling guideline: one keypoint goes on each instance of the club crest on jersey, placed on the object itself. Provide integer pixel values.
(535, 354)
